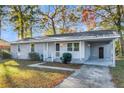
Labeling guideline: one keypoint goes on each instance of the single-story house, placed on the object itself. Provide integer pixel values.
(92, 47)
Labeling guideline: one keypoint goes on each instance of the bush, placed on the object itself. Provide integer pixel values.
(34, 56)
(66, 58)
(5, 55)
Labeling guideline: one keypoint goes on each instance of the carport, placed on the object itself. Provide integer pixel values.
(100, 52)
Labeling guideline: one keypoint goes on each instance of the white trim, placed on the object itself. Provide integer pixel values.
(44, 55)
(47, 50)
(80, 49)
(84, 49)
(113, 43)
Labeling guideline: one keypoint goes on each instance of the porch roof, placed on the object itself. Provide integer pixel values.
(91, 35)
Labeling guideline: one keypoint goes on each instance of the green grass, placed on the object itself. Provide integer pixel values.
(118, 73)
(16, 74)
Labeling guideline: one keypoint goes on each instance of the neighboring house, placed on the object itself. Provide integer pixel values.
(4, 45)
(93, 47)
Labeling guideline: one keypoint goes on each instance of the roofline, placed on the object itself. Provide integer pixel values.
(79, 32)
(71, 39)
(5, 40)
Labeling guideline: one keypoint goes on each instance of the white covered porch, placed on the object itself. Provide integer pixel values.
(100, 53)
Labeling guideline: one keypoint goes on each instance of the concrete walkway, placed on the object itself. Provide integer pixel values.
(39, 65)
(89, 77)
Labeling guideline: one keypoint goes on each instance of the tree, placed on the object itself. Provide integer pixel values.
(32, 18)
(69, 18)
(22, 18)
(2, 15)
(112, 17)
(48, 18)
(58, 18)
(88, 18)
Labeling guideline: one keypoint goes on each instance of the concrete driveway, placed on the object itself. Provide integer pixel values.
(89, 77)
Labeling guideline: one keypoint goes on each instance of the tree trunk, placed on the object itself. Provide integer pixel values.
(31, 31)
(121, 43)
(22, 23)
(22, 33)
(22, 30)
(53, 26)
(0, 29)
(119, 29)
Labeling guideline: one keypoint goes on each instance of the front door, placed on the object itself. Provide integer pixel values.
(57, 50)
(101, 52)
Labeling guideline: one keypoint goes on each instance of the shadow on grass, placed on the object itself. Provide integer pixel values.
(14, 74)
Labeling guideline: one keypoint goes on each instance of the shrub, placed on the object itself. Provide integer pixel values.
(5, 55)
(34, 56)
(66, 58)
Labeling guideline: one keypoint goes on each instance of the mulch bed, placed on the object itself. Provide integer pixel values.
(57, 64)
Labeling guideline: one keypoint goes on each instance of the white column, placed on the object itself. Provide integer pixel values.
(53, 52)
(44, 51)
(80, 49)
(113, 43)
(52, 57)
(47, 50)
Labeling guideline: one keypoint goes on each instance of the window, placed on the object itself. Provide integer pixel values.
(57, 50)
(19, 48)
(57, 47)
(76, 46)
(73, 46)
(32, 47)
(69, 47)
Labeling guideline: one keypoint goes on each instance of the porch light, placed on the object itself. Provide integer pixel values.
(62, 44)
(88, 45)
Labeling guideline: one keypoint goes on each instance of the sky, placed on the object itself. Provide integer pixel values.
(10, 35)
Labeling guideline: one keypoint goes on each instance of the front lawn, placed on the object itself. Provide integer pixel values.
(118, 73)
(57, 64)
(16, 74)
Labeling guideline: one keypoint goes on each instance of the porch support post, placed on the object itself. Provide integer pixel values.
(53, 53)
(113, 43)
(44, 53)
(47, 50)
(80, 49)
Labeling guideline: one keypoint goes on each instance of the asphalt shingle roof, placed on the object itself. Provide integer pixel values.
(86, 33)
(76, 35)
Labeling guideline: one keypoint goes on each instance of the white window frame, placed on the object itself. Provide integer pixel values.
(73, 46)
